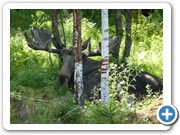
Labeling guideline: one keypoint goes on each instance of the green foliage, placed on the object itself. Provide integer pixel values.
(53, 110)
(32, 75)
(111, 113)
(122, 106)
(120, 76)
(27, 63)
(147, 46)
(88, 29)
(24, 19)
(58, 110)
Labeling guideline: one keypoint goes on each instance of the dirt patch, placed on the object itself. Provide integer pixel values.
(149, 112)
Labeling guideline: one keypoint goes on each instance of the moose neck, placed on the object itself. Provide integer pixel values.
(90, 65)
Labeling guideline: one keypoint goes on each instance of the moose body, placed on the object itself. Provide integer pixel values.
(92, 78)
(91, 68)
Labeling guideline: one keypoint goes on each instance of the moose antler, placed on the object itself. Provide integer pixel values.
(41, 40)
(86, 43)
(94, 53)
(112, 47)
(113, 44)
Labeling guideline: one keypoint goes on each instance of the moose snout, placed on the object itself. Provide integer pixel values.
(63, 79)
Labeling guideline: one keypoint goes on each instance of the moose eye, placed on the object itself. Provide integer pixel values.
(68, 52)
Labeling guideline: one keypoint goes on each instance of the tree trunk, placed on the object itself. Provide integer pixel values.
(78, 74)
(62, 26)
(119, 31)
(105, 58)
(55, 28)
(56, 40)
(128, 41)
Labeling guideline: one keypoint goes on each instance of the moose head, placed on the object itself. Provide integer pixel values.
(42, 41)
(67, 69)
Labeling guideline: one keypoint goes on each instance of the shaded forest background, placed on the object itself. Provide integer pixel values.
(37, 98)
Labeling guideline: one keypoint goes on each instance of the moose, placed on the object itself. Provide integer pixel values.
(41, 40)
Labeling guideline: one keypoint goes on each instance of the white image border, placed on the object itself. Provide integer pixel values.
(6, 64)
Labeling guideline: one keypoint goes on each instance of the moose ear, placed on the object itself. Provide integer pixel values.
(86, 43)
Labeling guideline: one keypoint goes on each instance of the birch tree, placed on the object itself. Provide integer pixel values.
(78, 74)
(105, 58)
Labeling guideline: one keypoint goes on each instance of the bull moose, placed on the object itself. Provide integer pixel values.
(41, 40)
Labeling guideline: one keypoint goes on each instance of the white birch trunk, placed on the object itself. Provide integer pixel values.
(105, 57)
(79, 82)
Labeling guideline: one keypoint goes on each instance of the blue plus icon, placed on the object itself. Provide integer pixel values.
(167, 114)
